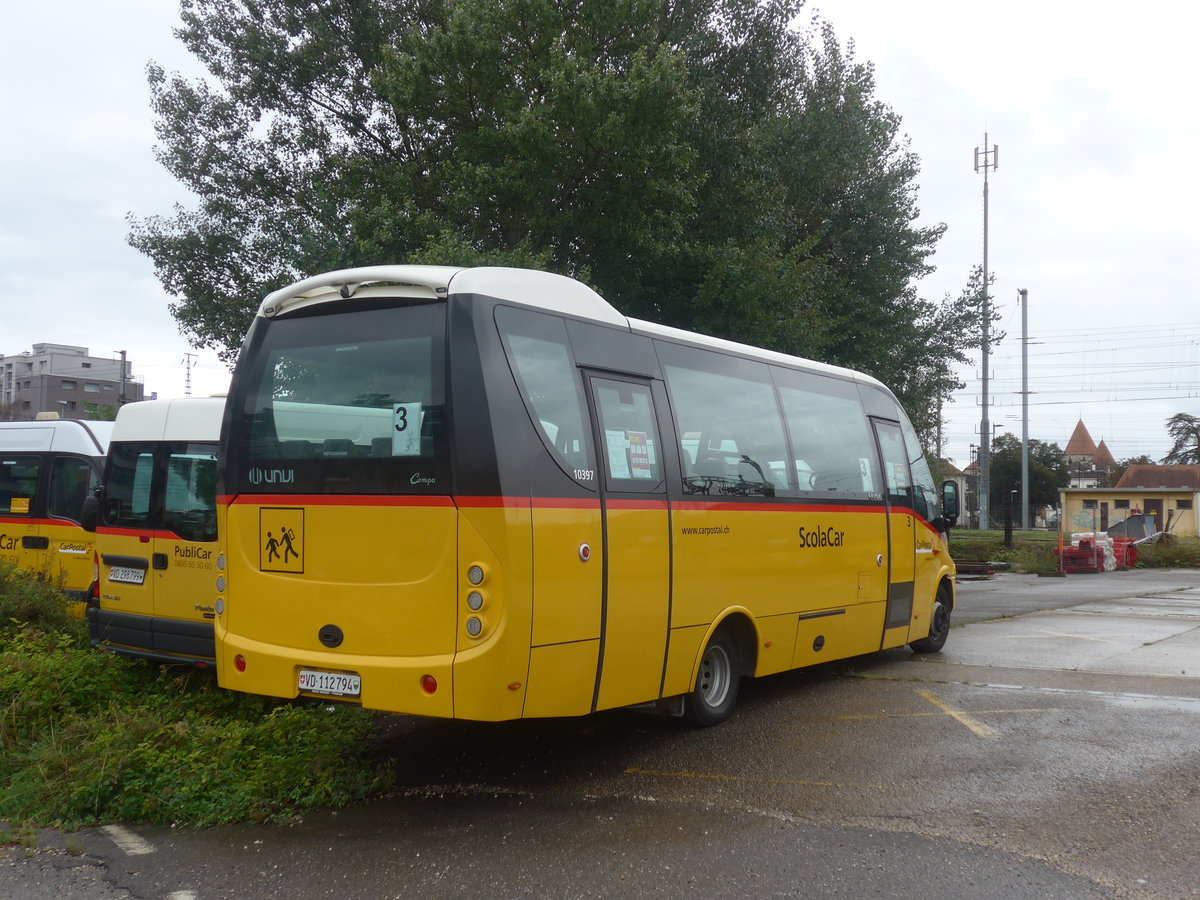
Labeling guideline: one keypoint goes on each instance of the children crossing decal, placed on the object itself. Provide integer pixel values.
(281, 539)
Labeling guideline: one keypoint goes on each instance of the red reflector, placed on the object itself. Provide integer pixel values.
(239, 663)
(428, 684)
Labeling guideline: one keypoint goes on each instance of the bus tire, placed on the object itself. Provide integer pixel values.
(939, 626)
(716, 690)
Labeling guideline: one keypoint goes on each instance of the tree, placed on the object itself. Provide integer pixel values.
(99, 413)
(1047, 472)
(702, 163)
(1111, 479)
(1185, 432)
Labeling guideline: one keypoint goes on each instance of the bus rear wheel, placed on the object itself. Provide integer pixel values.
(716, 690)
(939, 626)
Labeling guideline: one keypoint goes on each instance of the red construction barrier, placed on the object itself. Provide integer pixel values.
(1083, 558)
(1126, 552)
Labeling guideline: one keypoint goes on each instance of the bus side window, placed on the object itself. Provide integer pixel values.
(728, 419)
(18, 485)
(69, 482)
(926, 493)
(834, 451)
(540, 357)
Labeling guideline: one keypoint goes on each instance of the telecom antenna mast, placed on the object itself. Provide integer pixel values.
(187, 376)
(985, 161)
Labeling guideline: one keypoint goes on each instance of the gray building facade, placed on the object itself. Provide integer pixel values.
(60, 378)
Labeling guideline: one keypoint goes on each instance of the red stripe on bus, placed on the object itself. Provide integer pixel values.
(492, 502)
(333, 500)
(479, 502)
(637, 504)
(145, 534)
(22, 520)
(733, 506)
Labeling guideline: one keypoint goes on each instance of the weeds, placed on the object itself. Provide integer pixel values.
(1033, 552)
(90, 737)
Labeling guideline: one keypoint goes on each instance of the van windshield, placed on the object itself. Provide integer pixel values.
(346, 401)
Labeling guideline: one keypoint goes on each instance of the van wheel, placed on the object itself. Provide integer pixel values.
(939, 626)
(716, 691)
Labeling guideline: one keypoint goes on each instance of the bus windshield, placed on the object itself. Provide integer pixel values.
(351, 402)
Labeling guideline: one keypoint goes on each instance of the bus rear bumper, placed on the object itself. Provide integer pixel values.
(420, 686)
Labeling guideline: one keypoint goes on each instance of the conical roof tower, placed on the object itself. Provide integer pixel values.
(1081, 443)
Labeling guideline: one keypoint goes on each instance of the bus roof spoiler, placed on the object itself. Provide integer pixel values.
(542, 289)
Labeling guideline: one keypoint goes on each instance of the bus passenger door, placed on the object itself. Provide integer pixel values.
(898, 490)
(637, 555)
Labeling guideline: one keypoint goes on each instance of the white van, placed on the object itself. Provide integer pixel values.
(156, 533)
(47, 468)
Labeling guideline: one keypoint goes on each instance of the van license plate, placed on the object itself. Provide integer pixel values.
(334, 684)
(127, 575)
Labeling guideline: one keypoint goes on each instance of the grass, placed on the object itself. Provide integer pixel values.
(91, 737)
(1033, 551)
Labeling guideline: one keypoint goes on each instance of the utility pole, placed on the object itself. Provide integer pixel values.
(985, 161)
(1024, 295)
(121, 392)
(187, 376)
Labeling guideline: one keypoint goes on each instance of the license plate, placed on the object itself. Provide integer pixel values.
(127, 575)
(334, 684)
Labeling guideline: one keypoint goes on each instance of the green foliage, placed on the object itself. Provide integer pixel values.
(1111, 479)
(1170, 552)
(99, 413)
(704, 164)
(1047, 473)
(92, 737)
(27, 598)
(1185, 432)
(1032, 551)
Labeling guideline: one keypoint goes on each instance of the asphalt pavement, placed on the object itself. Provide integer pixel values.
(1049, 751)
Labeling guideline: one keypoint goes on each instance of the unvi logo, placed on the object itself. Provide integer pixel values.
(271, 476)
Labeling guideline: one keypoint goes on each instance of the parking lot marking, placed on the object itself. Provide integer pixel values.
(930, 715)
(129, 843)
(715, 776)
(979, 728)
(1097, 638)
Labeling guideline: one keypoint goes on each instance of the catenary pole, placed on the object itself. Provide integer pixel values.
(985, 161)
(1024, 295)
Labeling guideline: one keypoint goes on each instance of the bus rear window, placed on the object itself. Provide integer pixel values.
(351, 402)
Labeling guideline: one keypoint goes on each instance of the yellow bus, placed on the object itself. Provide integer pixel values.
(47, 469)
(484, 493)
(156, 533)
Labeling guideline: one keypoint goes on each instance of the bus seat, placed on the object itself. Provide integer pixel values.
(297, 450)
(337, 447)
(381, 447)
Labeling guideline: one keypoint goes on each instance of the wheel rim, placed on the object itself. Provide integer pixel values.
(716, 676)
(941, 619)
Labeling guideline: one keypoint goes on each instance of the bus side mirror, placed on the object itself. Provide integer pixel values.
(950, 502)
(90, 514)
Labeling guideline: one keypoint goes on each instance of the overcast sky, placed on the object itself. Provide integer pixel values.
(1093, 205)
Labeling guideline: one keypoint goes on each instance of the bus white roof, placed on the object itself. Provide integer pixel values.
(84, 437)
(543, 290)
(180, 419)
(771, 356)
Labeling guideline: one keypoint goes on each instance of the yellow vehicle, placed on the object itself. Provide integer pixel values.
(156, 534)
(484, 493)
(47, 468)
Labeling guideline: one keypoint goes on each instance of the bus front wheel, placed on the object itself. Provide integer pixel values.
(716, 690)
(939, 626)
